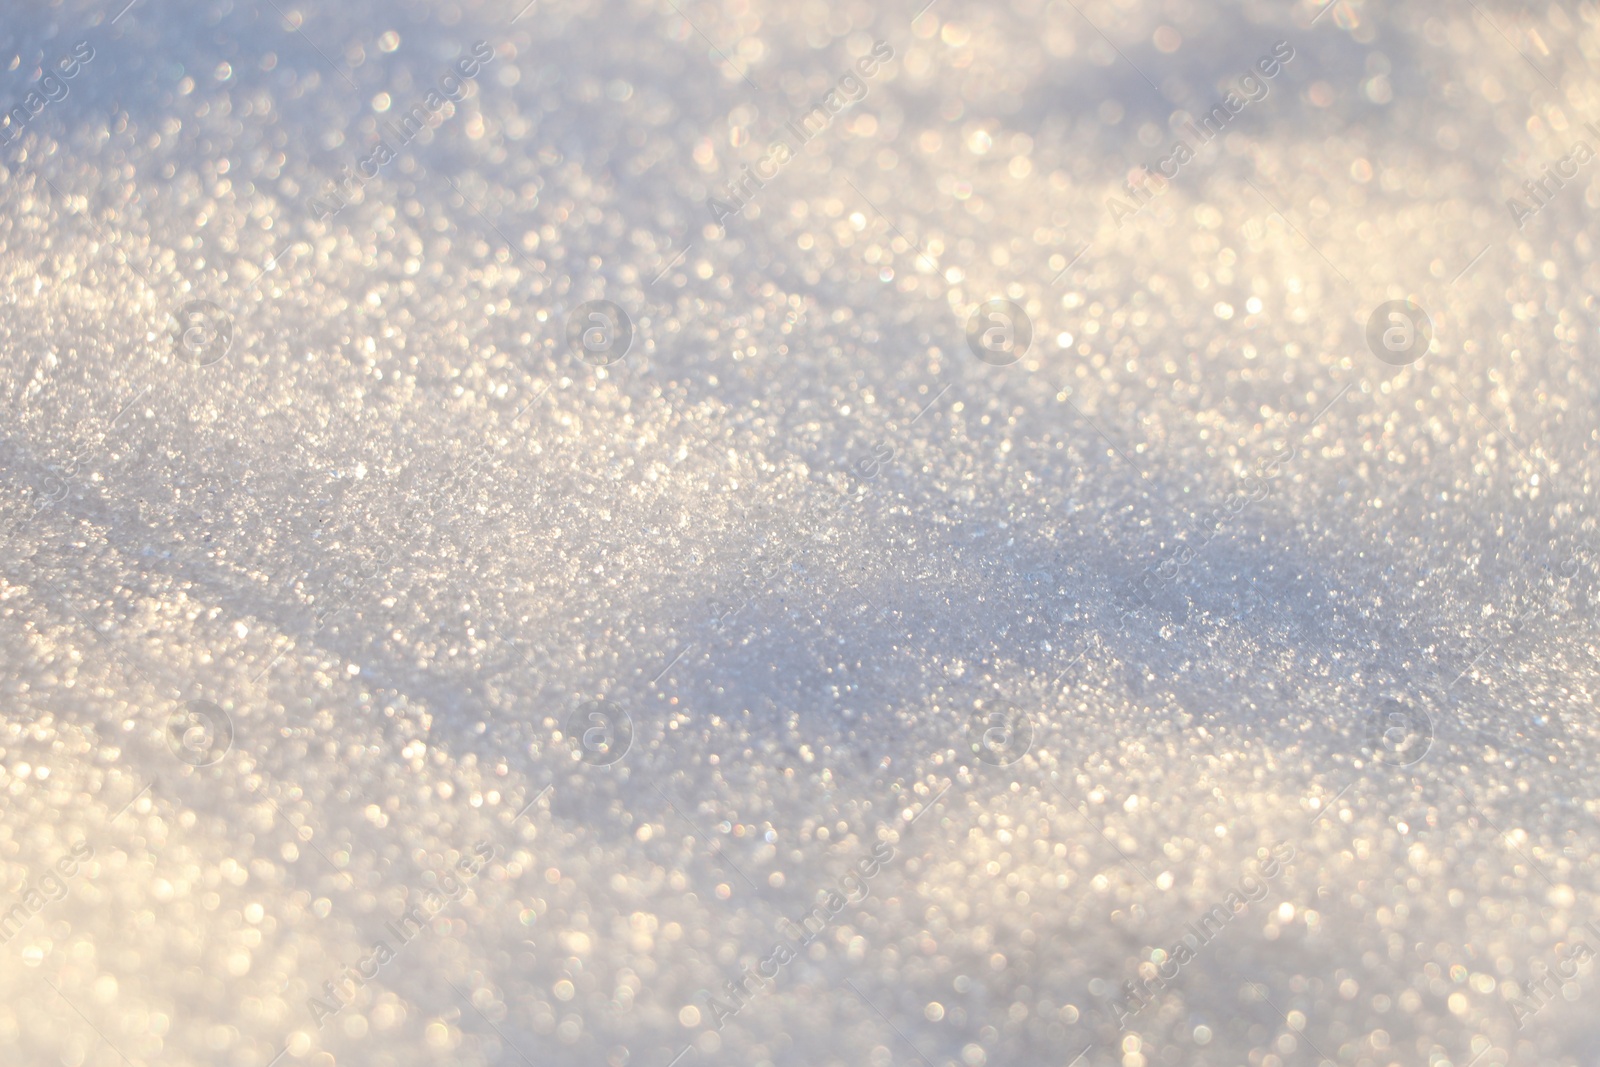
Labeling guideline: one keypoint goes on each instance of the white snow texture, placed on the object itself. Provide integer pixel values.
(601, 532)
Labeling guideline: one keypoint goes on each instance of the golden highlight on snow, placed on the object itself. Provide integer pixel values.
(490, 609)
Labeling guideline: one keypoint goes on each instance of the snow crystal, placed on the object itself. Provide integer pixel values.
(798, 534)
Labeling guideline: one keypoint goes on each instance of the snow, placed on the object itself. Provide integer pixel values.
(505, 609)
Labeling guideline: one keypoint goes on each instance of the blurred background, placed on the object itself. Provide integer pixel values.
(506, 564)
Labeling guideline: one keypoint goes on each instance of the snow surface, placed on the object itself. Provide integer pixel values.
(339, 585)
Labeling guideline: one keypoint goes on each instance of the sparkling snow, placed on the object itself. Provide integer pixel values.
(982, 603)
